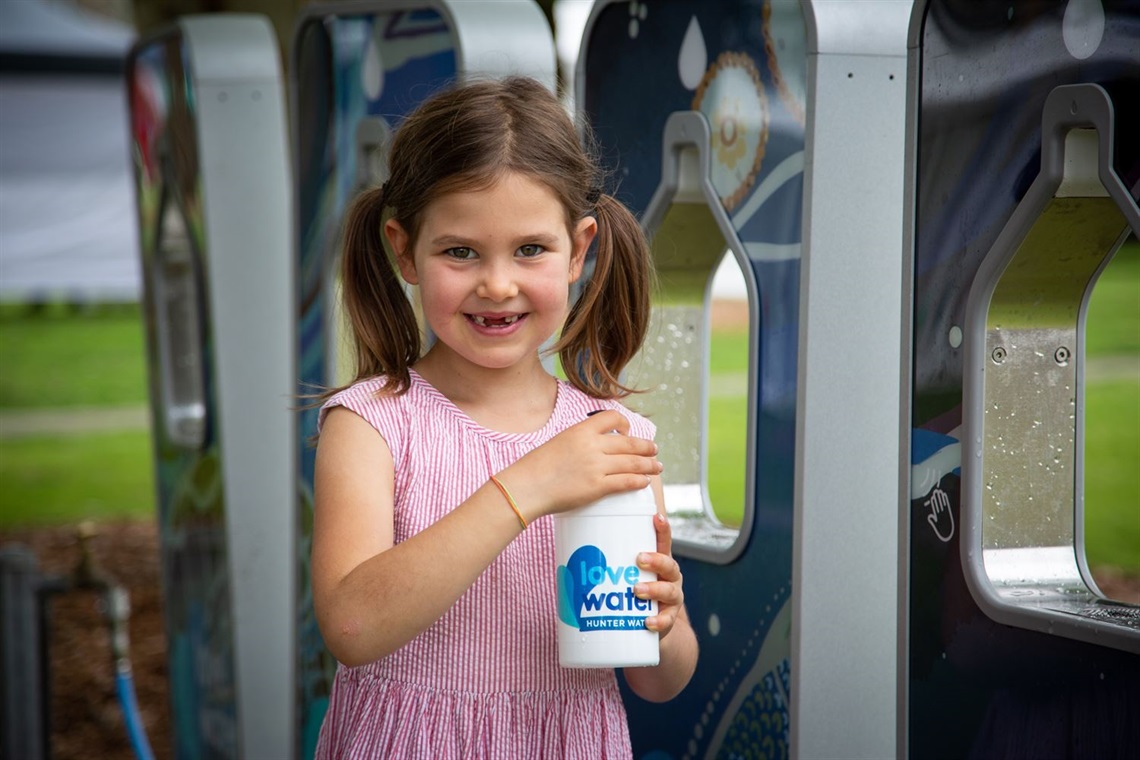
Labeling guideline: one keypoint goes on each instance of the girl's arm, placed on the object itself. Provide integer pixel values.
(372, 596)
(679, 648)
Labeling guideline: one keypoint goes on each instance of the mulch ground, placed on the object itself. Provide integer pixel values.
(86, 720)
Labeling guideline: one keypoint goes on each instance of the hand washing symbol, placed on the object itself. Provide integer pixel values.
(939, 504)
(573, 586)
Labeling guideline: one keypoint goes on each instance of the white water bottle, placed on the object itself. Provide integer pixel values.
(601, 623)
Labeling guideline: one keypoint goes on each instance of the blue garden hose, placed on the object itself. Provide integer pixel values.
(118, 609)
(125, 688)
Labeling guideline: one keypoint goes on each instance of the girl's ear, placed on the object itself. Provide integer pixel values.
(398, 239)
(584, 233)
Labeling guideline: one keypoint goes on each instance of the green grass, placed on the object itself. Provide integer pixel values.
(728, 351)
(1112, 455)
(1112, 324)
(58, 356)
(727, 451)
(54, 480)
(65, 358)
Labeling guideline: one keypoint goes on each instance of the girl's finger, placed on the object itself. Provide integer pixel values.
(644, 465)
(663, 592)
(662, 623)
(664, 535)
(619, 445)
(664, 565)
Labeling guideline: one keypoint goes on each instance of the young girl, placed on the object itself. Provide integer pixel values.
(436, 473)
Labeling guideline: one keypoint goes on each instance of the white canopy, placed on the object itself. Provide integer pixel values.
(67, 219)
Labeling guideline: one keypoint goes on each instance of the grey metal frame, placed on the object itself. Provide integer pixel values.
(241, 121)
(686, 203)
(848, 449)
(906, 363)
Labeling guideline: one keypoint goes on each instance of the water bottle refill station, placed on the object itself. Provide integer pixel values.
(897, 218)
(745, 126)
(1022, 187)
(212, 188)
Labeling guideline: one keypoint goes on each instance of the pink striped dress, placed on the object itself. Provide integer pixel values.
(484, 680)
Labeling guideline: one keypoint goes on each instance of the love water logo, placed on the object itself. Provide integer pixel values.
(581, 606)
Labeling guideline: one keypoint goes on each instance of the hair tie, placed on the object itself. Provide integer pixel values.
(384, 190)
(593, 195)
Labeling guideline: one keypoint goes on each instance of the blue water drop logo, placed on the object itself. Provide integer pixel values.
(573, 587)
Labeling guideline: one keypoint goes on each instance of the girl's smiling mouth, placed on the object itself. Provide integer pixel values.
(494, 321)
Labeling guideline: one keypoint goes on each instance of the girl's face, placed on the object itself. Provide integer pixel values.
(494, 267)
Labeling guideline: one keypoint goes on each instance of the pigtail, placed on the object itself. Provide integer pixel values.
(608, 323)
(386, 335)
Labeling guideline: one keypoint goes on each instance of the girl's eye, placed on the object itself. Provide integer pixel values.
(460, 253)
(530, 250)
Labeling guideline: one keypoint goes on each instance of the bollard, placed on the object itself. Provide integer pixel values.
(25, 704)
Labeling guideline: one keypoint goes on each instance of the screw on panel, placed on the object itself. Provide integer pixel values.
(998, 355)
(1062, 355)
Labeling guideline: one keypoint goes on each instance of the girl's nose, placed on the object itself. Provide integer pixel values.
(497, 283)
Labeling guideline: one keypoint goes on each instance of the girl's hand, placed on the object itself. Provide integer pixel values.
(668, 589)
(679, 652)
(581, 465)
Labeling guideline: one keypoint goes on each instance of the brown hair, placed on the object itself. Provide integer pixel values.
(465, 138)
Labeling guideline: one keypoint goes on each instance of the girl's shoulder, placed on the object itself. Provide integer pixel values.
(381, 408)
(371, 388)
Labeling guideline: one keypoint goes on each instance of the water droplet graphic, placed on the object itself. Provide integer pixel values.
(372, 71)
(1082, 28)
